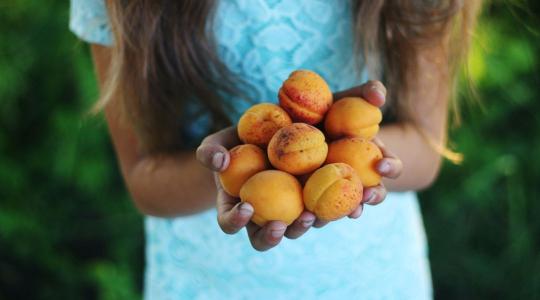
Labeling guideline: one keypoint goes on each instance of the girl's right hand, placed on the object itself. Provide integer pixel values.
(233, 215)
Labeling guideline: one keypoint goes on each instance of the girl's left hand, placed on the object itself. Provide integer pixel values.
(390, 165)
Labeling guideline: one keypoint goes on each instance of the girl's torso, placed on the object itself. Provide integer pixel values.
(382, 255)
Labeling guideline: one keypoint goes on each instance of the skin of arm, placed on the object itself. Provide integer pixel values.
(160, 185)
(421, 162)
(171, 185)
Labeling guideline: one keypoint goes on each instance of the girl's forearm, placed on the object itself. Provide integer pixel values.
(421, 162)
(171, 185)
(165, 186)
(175, 185)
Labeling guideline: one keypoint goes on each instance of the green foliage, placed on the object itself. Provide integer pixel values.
(480, 216)
(67, 227)
(69, 231)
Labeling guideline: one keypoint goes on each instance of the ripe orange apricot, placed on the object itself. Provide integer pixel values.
(305, 96)
(259, 123)
(275, 196)
(333, 191)
(297, 149)
(352, 117)
(360, 154)
(246, 160)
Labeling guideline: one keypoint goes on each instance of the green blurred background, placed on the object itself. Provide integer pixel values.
(69, 231)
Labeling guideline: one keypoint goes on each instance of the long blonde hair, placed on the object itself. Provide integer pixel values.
(164, 56)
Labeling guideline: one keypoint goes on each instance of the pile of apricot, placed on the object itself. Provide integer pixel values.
(286, 164)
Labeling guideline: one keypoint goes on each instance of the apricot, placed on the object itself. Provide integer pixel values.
(297, 149)
(352, 117)
(274, 195)
(259, 123)
(333, 191)
(305, 96)
(360, 154)
(246, 160)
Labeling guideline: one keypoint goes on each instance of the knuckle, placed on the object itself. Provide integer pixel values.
(208, 139)
(371, 82)
(319, 224)
(258, 246)
(227, 229)
(290, 235)
(294, 234)
(199, 153)
(378, 83)
(381, 195)
(237, 222)
(226, 226)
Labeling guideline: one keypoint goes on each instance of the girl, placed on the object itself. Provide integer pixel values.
(172, 72)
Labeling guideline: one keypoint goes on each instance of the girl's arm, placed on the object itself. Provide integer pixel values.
(160, 185)
(420, 161)
(172, 185)
(178, 184)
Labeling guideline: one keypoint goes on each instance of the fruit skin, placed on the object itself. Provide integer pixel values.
(305, 96)
(352, 117)
(274, 195)
(259, 123)
(245, 161)
(360, 154)
(333, 191)
(297, 149)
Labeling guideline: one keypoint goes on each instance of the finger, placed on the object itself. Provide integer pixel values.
(214, 157)
(227, 137)
(385, 151)
(373, 91)
(390, 166)
(232, 214)
(212, 152)
(225, 202)
(319, 223)
(235, 219)
(374, 195)
(357, 212)
(266, 237)
(300, 225)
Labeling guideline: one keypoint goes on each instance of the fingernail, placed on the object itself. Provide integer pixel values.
(384, 167)
(307, 223)
(380, 92)
(245, 210)
(276, 233)
(370, 198)
(357, 213)
(217, 160)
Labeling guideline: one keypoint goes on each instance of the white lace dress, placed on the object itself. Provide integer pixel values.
(382, 255)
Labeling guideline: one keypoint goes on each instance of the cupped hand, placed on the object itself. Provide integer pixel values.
(233, 215)
(390, 165)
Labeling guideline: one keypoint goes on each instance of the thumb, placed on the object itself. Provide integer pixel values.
(212, 153)
(214, 157)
